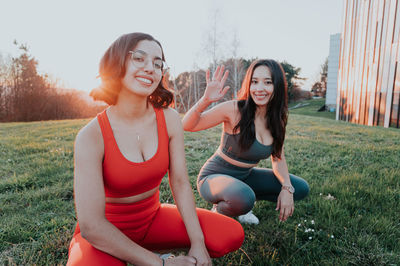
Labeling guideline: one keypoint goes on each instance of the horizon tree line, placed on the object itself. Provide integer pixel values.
(25, 95)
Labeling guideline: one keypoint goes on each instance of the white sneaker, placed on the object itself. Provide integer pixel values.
(248, 218)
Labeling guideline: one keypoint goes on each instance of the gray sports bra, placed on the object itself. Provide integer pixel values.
(231, 148)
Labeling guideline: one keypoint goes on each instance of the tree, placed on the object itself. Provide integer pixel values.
(319, 87)
(190, 86)
(28, 96)
(324, 68)
(238, 67)
(292, 77)
(5, 64)
(214, 40)
(27, 87)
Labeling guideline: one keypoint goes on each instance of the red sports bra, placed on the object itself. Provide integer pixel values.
(124, 178)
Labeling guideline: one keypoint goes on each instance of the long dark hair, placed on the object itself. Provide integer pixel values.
(277, 110)
(112, 70)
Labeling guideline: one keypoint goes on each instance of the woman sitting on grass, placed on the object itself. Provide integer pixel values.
(121, 157)
(253, 129)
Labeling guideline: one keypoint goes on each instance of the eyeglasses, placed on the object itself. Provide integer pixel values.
(139, 59)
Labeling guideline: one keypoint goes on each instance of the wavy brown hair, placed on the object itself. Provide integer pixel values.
(277, 109)
(112, 70)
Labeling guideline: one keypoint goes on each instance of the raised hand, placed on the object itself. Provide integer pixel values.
(215, 89)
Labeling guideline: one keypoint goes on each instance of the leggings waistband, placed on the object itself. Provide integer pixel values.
(135, 216)
(221, 160)
(217, 165)
(138, 211)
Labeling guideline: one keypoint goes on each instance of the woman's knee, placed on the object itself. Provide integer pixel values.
(81, 252)
(238, 201)
(222, 234)
(228, 242)
(204, 189)
(302, 189)
(233, 196)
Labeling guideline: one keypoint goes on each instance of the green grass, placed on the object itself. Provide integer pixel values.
(311, 108)
(357, 165)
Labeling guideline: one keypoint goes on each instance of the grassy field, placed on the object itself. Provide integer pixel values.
(310, 108)
(351, 216)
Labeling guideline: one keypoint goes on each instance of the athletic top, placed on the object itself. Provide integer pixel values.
(231, 148)
(124, 178)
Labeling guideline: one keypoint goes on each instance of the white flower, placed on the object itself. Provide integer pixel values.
(330, 197)
(310, 237)
(312, 221)
(299, 225)
(320, 194)
(332, 236)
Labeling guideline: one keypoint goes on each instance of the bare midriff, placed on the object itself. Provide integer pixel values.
(233, 161)
(132, 199)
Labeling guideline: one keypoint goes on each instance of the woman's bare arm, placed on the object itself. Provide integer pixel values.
(181, 188)
(285, 203)
(90, 202)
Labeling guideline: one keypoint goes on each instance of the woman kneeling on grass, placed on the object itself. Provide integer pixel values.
(253, 129)
(121, 157)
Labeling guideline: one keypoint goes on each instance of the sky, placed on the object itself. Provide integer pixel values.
(68, 38)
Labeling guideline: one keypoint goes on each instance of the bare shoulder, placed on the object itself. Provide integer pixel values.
(90, 137)
(173, 121)
(171, 114)
(231, 111)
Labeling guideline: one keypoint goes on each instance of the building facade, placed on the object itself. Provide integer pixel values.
(369, 73)
(333, 66)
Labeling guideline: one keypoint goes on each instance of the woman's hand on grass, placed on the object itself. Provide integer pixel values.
(285, 204)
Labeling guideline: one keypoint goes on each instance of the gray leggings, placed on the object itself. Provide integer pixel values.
(234, 189)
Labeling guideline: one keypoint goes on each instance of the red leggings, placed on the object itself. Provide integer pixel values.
(156, 226)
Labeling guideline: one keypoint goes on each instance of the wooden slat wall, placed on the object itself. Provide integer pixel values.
(369, 70)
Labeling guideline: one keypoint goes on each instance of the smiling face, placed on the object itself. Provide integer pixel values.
(261, 87)
(142, 78)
